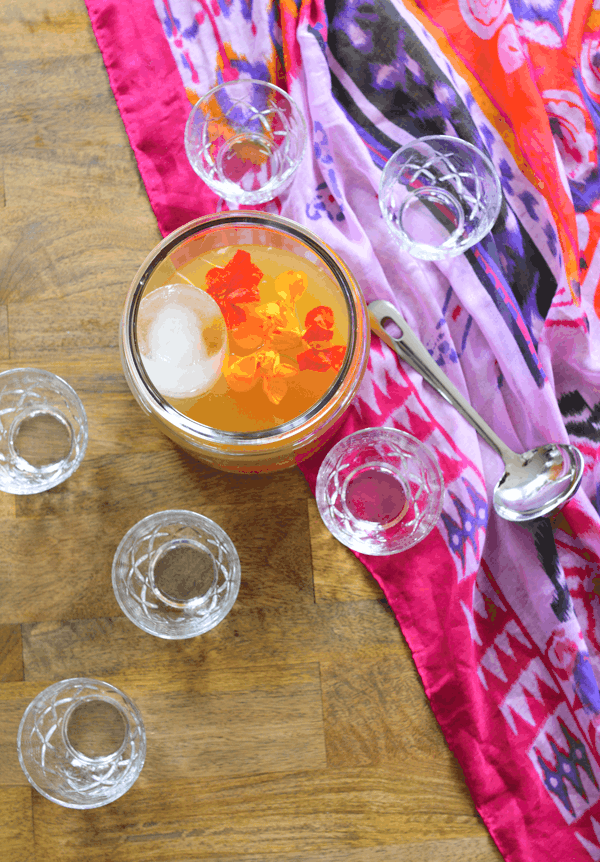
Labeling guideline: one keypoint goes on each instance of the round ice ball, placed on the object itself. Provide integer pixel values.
(182, 339)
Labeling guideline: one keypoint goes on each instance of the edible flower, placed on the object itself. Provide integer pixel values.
(319, 325)
(319, 330)
(274, 324)
(243, 374)
(290, 286)
(234, 286)
(314, 359)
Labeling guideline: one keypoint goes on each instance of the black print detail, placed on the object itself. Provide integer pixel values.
(386, 60)
(543, 537)
(574, 404)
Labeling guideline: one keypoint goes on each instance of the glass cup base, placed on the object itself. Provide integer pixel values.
(43, 431)
(380, 491)
(81, 743)
(245, 139)
(176, 574)
(439, 196)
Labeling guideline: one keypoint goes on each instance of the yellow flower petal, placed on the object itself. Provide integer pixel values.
(290, 285)
(286, 339)
(242, 374)
(274, 388)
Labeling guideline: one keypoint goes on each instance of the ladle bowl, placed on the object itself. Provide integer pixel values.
(534, 483)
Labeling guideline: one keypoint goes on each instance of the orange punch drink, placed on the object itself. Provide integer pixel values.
(245, 338)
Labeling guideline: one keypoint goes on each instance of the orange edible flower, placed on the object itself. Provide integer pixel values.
(272, 324)
(320, 360)
(242, 374)
(266, 365)
(250, 334)
(270, 329)
(233, 286)
(273, 316)
(320, 315)
(275, 374)
(280, 326)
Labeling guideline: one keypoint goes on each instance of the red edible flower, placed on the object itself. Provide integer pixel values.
(319, 325)
(320, 360)
(233, 286)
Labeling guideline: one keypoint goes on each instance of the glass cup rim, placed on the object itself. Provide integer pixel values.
(73, 416)
(299, 116)
(452, 141)
(23, 463)
(237, 195)
(349, 289)
(227, 570)
(361, 439)
(180, 604)
(110, 692)
(230, 84)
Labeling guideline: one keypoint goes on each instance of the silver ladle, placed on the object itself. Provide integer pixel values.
(535, 483)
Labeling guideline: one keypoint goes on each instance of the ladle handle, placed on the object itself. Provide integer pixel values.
(409, 348)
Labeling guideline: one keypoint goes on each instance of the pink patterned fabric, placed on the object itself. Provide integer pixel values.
(503, 620)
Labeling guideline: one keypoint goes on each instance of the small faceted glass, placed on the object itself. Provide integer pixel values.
(43, 431)
(176, 574)
(81, 743)
(380, 491)
(245, 139)
(439, 196)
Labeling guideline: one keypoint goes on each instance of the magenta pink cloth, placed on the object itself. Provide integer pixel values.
(502, 620)
(153, 106)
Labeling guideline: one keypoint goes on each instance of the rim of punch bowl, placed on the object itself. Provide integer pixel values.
(342, 276)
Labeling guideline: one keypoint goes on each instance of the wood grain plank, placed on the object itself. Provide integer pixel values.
(232, 722)
(274, 815)
(7, 505)
(11, 654)
(14, 699)
(97, 374)
(474, 849)
(34, 32)
(238, 721)
(4, 346)
(273, 547)
(254, 636)
(339, 576)
(96, 173)
(36, 115)
(58, 253)
(376, 713)
(89, 320)
(135, 484)
(16, 821)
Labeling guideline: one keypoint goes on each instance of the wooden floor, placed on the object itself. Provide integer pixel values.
(297, 729)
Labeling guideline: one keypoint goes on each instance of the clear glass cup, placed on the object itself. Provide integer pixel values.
(81, 743)
(176, 574)
(245, 139)
(439, 196)
(43, 431)
(380, 491)
(280, 446)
